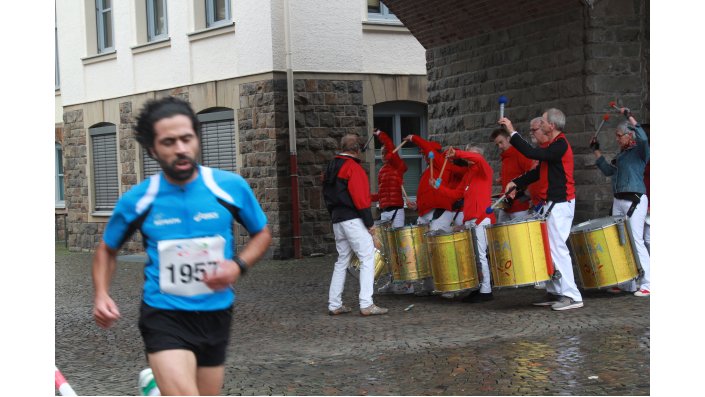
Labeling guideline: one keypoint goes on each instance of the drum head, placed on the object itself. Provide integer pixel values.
(596, 224)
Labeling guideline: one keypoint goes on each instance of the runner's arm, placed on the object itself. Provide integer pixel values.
(229, 271)
(105, 311)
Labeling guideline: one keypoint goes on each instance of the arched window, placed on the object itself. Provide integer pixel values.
(399, 119)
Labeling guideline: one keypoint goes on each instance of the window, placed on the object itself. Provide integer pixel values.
(105, 166)
(399, 119)
(156, 20)
(218, 139)
(217, 12)
(59, 175)
(104, 25)
(377, 10)
(150, 166)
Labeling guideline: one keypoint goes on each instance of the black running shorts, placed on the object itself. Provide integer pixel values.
(205, 333)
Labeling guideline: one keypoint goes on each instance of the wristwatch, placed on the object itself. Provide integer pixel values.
(242, 264)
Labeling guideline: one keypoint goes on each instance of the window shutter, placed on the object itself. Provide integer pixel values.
(105, 175)
(218, 140)
(150, 166)
(412, 176)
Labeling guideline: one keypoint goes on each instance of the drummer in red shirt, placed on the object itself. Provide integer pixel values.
(513, 165)
(476, 188)
(390, 180)
(434, 208)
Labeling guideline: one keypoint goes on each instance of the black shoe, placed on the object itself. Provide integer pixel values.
(476, 297)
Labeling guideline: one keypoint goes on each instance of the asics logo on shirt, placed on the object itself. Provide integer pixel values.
(205, 216)
(167, 221)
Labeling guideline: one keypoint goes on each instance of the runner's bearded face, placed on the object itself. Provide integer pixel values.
(176, 147)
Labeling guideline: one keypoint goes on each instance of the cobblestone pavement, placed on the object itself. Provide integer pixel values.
(284, 343)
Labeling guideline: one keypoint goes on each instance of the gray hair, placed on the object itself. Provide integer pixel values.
(623, 127)
(556, 117)
(477, 149)
(350, 143)
(536, 120)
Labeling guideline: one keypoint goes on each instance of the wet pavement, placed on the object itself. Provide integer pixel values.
(284, 343)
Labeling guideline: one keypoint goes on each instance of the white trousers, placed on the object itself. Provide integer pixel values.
(481, 233)
(559, 222)
(504, 216)
(647, 236)
(636, 224)
(398, 220)
(444, 222)
(352, 236)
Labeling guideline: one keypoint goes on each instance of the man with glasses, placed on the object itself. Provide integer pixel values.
(556, 167)
(627, 172)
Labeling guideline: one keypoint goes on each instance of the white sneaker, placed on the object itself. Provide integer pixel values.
(147, 384)
(565, 303)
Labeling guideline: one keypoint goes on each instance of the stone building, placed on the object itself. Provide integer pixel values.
(352, 65)
(575, 55)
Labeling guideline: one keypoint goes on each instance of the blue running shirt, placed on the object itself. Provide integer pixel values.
(204, 207)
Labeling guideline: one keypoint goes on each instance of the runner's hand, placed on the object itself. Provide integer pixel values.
(105, 311)
(226, 274)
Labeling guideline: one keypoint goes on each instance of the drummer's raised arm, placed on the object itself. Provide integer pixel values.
(507, 124)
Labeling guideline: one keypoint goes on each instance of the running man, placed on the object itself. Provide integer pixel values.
(185, 214)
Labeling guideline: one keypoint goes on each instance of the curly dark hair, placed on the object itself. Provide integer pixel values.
(157, 109)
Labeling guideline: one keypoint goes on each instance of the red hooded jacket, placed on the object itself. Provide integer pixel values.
(476, 188)
(390, 177)
(428, 198)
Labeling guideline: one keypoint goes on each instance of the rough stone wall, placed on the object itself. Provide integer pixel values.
(577, 61)
(265, 163)
(325, 111)
(81, 233)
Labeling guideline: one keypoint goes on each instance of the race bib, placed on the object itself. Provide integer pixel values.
(184, 262)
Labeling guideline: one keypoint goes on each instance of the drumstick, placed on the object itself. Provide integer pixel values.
(440, 176)
(604, 118)
(404, 191)
(396, 149)
(490, 209)
(367, 143)
(430, 156)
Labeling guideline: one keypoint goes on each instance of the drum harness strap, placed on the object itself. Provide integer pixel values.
(548, 211)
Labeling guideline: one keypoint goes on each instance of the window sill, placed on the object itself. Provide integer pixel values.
(211, 32)
(99, 58)
(383, 26)
(151, 46)
(102, 213)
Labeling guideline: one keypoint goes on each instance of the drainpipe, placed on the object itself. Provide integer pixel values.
(295, 223)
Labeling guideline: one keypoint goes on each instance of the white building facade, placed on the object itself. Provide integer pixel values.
(249, 68)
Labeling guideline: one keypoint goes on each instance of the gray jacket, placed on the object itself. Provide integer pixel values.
(627, 168)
